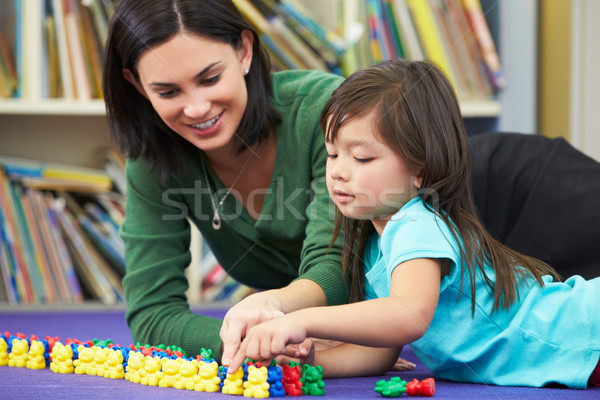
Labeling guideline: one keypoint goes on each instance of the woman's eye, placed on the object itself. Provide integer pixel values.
(363, 160)
(167, 94)
(212, 80)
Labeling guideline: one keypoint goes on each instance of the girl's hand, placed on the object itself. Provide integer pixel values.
(253, 310)
(269, 339)
(302, 353)
(403, 365)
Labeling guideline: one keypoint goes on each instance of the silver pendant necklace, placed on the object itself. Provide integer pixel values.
(216, 220)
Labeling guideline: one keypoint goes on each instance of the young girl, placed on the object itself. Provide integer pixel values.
(472, 309)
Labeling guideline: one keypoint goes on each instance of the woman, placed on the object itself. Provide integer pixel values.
(214, 138)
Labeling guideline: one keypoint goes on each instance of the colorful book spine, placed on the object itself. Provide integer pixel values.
(481, 30)
(429, 35)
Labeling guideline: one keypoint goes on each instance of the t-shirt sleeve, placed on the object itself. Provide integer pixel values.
(416, 232)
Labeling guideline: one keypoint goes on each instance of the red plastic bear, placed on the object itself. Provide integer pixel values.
(425, 388)
(291, 380)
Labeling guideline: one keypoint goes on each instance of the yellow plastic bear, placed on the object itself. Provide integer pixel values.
(188, 375)
(233, 383)
(36, 358)
(151, 374)
(85, 360)
(114, 365)
(256, 385)
(170, 369)
(99, 365)
(135, 363)
(62, 359)
(18, 354)
(209, 381)
(3, 352)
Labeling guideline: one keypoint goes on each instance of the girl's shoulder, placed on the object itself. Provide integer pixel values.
(417, 226)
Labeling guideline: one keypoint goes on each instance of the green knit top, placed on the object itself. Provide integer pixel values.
(290, 239)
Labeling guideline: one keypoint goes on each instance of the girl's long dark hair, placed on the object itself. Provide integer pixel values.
(418, 117)
(139, 25)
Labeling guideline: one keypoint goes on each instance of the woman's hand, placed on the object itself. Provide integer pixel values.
(253, 310)
(269, 340)
(265, 306)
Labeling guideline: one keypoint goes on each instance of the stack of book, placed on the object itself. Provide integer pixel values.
(453, 34)
(450, 33)
(58, 234)
(71, 35)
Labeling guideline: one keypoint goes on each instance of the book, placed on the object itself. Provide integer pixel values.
(55, 173)
(430, 38)
(473, 81)
(66, 75)
(270, 37)
(22, 279)
(485, 42)
(99, 18)
(98, 279)
(54, 82)
(6, 265)
(470, 51)
(323, 49)
(66, 263)
(59, 262)
(40, 254)
(83, 88)
(408, 34)
(32, 65)
(450, 45)
(28, 251)
(93, 51)
(8, 73)
(7, 48)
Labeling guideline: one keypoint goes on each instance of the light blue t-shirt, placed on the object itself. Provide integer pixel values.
(549, 335)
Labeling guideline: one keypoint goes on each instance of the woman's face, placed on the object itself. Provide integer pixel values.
(197, 86)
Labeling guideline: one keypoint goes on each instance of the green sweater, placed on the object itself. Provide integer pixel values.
(289, 240)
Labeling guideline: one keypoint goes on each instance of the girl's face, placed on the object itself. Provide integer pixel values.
(197, 86)
(365, 178)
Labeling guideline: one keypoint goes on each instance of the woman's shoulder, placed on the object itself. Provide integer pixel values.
(291, 84)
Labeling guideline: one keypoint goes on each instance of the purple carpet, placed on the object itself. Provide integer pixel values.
(21, 383)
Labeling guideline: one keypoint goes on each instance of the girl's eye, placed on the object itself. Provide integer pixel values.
(332, 156)
(363, 160)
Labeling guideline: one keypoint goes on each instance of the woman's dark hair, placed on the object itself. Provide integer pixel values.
(417, 116)
(139, 25)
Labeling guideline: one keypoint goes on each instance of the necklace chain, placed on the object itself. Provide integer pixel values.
(216, 221)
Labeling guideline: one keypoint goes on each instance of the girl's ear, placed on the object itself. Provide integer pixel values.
(418, 178)
(246, 50)
(131, 79)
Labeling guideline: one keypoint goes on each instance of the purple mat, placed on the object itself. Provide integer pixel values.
(21, 383)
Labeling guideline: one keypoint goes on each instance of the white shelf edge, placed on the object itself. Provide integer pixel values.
(480, 108)
(52, 107)
(470, 109)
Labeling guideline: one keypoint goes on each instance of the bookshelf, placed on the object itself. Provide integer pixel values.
(71, 128)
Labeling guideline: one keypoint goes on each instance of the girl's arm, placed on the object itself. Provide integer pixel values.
(393, 321)
(349, 359)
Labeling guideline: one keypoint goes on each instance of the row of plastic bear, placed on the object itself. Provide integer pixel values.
(159, 366)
